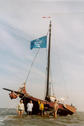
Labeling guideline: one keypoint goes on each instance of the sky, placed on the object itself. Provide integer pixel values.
(20, 22)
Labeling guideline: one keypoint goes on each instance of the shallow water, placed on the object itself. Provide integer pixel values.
(8, 117)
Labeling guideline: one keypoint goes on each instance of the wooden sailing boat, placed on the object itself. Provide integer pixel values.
(63, 109)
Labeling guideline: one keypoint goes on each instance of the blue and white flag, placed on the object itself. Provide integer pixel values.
(39, 43)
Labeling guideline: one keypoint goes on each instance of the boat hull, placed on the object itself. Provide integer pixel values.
(63, 110)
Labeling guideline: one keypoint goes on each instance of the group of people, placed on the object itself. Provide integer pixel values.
(30, 105)
(21, 108)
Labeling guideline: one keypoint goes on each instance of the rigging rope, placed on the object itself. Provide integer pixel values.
(32, 65)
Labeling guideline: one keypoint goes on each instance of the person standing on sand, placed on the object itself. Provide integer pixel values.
(20, 108)
(41, 108)
(55, 108)
(30, 107)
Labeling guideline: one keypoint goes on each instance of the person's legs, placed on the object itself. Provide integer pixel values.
(27, 112)
(42, 113)
(22, 112)
(30, 113)
(55, 114)
(18, 112)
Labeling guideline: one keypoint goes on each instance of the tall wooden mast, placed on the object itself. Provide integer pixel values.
(48, 65)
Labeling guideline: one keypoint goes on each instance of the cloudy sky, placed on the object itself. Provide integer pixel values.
(20, 22)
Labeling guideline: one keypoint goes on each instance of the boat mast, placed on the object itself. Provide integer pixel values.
(48, 65)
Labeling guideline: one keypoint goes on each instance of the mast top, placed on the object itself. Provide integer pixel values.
(50, 24)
